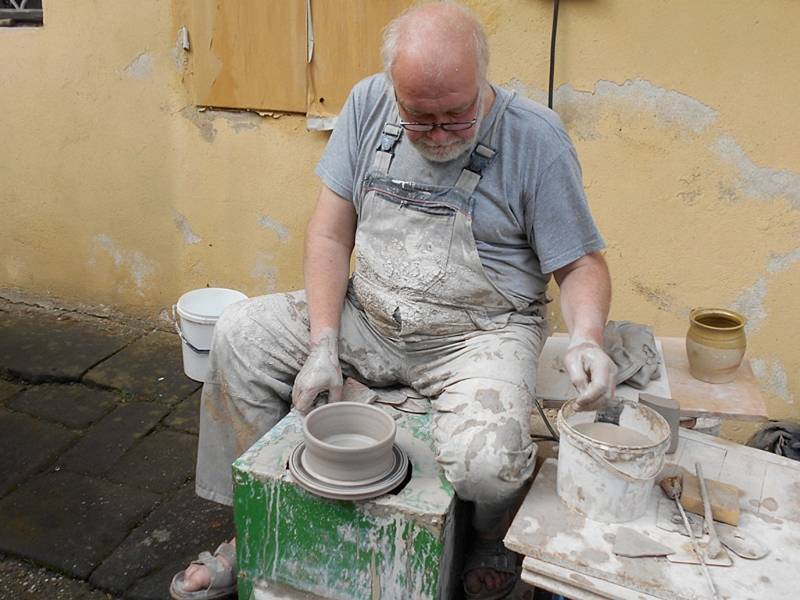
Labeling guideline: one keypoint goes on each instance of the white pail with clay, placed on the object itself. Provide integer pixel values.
(198, 311)
(607, 472)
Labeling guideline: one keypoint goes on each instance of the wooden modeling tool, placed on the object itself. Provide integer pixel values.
(714, 547)
(672, 488)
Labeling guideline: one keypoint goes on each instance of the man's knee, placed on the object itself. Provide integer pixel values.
(229, 325)
(489, 463)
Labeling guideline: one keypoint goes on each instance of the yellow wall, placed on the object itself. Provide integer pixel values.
(116, 191)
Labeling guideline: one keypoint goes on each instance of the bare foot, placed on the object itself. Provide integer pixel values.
(489, 579)
(197, 577)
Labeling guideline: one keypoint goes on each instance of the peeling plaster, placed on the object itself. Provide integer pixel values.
(188, 235)
(264, 270)
(762, 183)
(202, 121)
(141, 66)
(237, 120)
(277, 228)
(751, 304)
(782, 262)
(751, 301)
(139, 267)
(772, 375)
(582, 110)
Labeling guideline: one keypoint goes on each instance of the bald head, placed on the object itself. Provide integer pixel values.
(436, 40)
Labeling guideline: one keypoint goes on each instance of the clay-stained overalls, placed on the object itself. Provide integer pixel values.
(420, 311)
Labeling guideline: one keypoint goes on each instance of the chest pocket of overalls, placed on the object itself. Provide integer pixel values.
(404, 236)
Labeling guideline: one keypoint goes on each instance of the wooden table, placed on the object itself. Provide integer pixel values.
(570, 554)
(741, 399)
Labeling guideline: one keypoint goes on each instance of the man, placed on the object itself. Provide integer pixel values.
(459, 199)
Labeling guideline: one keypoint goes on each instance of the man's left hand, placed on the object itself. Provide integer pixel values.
(592, 372)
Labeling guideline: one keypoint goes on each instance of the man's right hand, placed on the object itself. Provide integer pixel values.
(320, 373)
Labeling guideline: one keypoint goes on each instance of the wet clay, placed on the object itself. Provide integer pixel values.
(349, 440)
(613, 434)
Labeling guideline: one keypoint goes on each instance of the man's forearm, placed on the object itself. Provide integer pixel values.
(585, 297)
(326, 269)
(326, 266)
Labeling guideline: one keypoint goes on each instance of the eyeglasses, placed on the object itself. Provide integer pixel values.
(449, 126)
(423, 127)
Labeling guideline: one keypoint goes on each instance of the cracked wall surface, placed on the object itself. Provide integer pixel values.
(683, 114)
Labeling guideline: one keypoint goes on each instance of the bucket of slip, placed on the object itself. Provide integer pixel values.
(606, 470)
(197, 313)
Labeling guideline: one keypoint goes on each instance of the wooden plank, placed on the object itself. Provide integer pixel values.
(546, 530)
(708, 454)
(347, 41)
(249, 54)
(740, 399)
(539, 581)
(591, 588)
(780, 496)
(553, 386)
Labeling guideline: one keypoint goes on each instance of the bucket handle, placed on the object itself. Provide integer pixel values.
(605, 462)
(183, 338)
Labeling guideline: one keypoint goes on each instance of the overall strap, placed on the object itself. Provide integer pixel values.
(389, 138)
(482, 155)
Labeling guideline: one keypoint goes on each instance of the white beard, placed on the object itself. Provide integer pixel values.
(451, 150)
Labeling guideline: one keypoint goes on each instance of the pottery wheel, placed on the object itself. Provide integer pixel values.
(348, 490)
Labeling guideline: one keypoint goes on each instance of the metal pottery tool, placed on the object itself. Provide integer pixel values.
(714, 547)
(672, 488)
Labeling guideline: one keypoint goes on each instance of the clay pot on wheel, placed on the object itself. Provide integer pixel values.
(715, 344)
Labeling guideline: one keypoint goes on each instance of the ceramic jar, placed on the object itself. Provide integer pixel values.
(715, 344)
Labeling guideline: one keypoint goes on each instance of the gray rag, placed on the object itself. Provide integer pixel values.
(780, 438)
(632, 347)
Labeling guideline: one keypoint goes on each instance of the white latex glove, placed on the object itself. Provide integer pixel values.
(591, 371)
(320, 373)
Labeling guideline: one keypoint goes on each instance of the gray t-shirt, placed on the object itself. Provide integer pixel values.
(530, 216)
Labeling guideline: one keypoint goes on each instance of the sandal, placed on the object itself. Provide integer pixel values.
(223, 578)
(491, 554)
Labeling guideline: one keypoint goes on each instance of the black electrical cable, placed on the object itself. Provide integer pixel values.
(547, 423)
(552, 54)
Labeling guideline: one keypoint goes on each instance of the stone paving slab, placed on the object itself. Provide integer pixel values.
(154, 585)
(70, 522)
(109, 439)
(173, 535)
(186, 415)
(49, 347)
(73, 405)
(160, 463)
(151, 368)
(8, 389)
(21, 580)
(27, 446)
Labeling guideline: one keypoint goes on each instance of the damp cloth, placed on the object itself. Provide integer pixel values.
(632, 347)
(780, 438)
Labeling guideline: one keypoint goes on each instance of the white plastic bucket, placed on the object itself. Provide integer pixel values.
(607, 481)
(198, 311)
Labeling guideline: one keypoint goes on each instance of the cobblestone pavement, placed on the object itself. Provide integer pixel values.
(98, 437)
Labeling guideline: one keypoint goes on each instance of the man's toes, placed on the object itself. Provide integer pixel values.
(196, 578)
(473, 582)
(493, 580)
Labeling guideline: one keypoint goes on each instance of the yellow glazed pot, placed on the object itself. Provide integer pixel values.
(715, 344)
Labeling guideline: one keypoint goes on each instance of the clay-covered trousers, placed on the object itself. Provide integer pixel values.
(481, 384)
